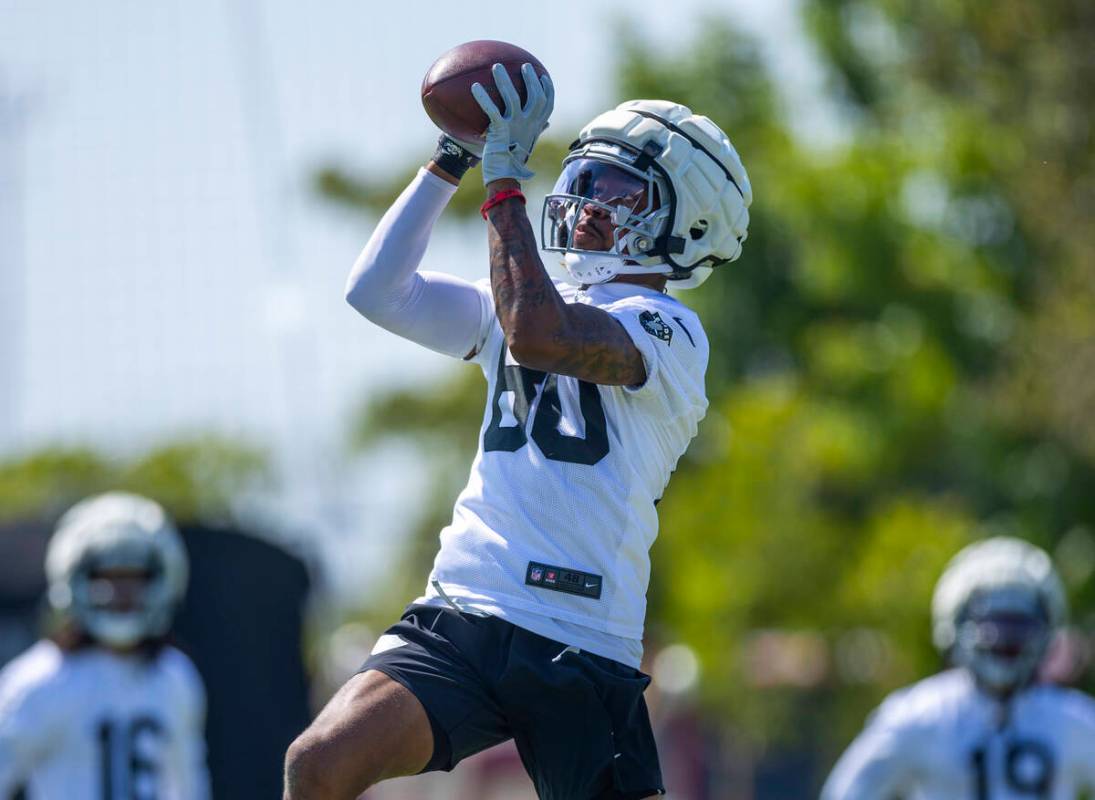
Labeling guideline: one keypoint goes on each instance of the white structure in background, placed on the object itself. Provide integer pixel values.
(13, 115)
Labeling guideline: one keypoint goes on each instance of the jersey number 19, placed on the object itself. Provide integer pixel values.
(1028, 770)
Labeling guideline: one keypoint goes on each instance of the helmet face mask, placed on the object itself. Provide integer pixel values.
(604, 215)
(995, 612)
(117, 597)
(1001, 637)
(117, 569)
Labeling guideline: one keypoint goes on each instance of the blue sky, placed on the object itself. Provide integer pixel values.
(170, 269)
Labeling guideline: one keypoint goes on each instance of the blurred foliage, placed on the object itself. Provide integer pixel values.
(444, 423)
(195, 479)
(902, 361)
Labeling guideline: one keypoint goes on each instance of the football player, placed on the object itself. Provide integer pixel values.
(530, 626)
(985, 729)
(107, 710)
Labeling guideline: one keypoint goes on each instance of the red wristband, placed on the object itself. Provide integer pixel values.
(505, 194)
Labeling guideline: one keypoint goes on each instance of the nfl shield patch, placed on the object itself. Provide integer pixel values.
(652, 323)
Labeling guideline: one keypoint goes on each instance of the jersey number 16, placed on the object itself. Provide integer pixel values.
(129, 772)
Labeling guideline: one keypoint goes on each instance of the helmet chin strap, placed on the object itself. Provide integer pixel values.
(116, 629)
(593, 268)
(590, 268)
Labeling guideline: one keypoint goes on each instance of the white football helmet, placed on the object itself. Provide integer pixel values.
(670, 182)
(109, 532)
(996, 609)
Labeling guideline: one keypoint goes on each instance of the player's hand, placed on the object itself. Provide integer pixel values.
(512, 135)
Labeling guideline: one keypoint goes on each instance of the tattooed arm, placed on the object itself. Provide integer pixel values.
(542, 331)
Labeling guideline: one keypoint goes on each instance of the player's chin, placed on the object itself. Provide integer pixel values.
(588, 240)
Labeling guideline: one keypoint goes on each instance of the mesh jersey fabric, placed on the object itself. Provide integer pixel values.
(568, 473)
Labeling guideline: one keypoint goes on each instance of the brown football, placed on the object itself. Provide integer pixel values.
(446, 89)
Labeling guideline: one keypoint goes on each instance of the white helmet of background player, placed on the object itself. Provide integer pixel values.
(996, 609)
(112, 532)
(672, 185)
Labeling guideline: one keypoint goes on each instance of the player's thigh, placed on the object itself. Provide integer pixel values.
(372, 729)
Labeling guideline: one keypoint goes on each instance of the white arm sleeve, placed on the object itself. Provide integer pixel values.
(438, 311)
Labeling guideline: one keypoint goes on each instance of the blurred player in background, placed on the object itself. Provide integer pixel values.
(531, 624)
(106, 709)
(985, 729)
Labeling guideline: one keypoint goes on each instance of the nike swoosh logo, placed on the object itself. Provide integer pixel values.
(590, 585)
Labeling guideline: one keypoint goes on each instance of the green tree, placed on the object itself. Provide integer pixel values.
(196, 479)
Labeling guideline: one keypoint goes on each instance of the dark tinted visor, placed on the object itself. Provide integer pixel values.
(605, 183)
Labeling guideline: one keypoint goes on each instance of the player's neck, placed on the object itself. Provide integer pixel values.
(656, 282)
(123, 652)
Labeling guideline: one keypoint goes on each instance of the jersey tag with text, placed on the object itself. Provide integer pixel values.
(563, 579)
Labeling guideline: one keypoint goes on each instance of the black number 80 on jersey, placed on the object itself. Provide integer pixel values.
(555, 445)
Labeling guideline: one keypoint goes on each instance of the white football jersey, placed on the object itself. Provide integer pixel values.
(93, 725)
(945, 739)
(553, 529)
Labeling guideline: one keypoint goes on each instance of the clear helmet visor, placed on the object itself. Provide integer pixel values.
(611, 184)
(598, 206)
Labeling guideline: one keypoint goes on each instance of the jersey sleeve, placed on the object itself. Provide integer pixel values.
(29, 720)
(673, 346)
(188, 752)
(876, 766)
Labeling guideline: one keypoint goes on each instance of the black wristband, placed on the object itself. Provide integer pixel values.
(453, 158)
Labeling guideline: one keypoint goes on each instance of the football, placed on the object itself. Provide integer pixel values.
(446, 89)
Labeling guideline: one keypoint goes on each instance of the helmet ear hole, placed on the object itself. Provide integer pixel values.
(698, 230)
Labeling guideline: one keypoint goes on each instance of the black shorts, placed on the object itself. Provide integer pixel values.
(579, 720)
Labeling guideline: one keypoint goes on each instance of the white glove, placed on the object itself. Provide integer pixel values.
(511, 136)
